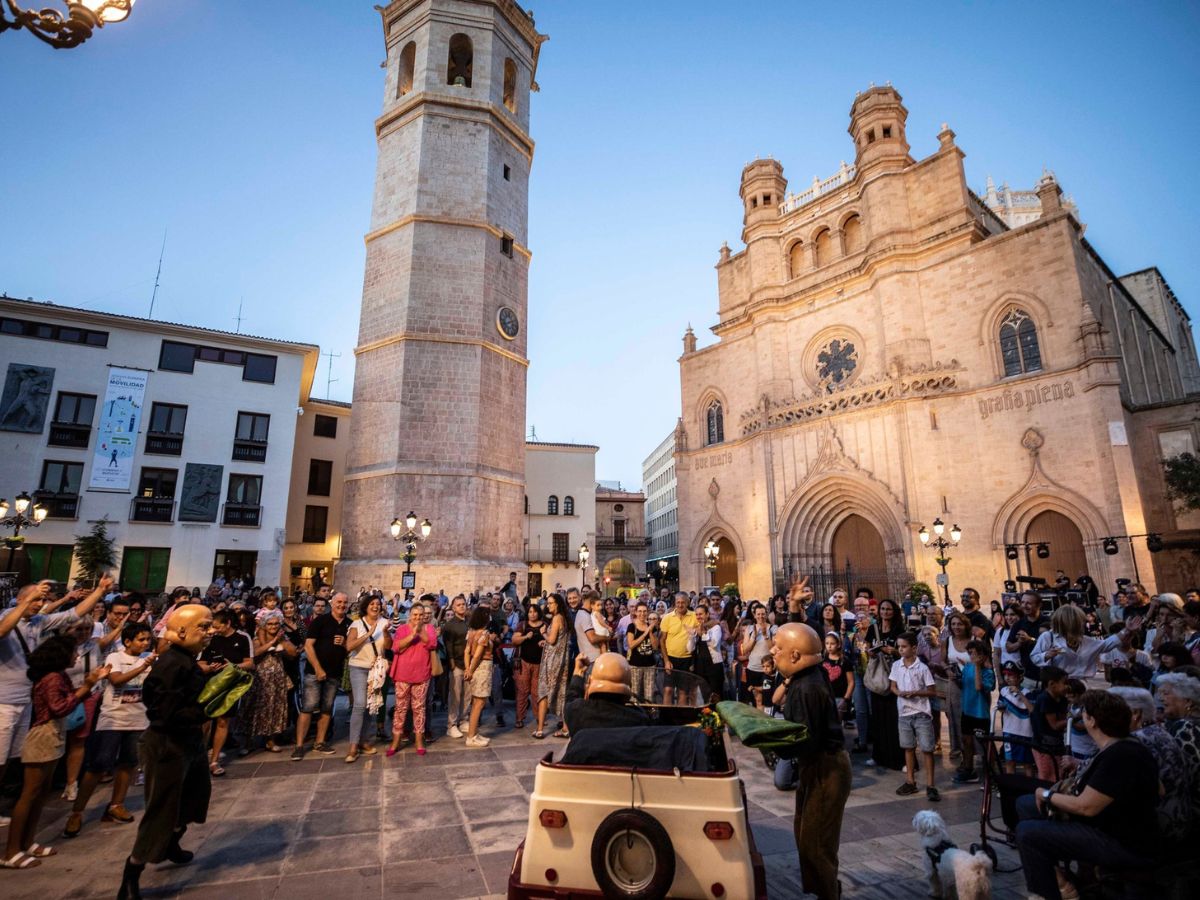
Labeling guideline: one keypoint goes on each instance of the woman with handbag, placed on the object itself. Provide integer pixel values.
(54, 700)
(413, 646)
(528, 638)
(366, 642)
(885, 715)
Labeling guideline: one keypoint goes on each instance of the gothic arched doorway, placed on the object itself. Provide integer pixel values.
(1065, 544)
(857, 550)
(727, 564)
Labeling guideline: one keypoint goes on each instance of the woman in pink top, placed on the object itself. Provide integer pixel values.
(412, 645)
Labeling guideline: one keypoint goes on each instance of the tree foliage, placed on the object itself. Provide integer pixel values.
(917, 588)
(95, 552)
(1183, 479)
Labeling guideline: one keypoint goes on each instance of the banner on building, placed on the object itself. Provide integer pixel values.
(116, 438)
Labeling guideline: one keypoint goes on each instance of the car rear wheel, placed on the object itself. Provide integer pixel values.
(632, 857)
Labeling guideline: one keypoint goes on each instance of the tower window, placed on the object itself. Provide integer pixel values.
(510, 85)
(871, 136)
(823, 244)
(852, 237)
(714, 420)
(552, 505)
(507, 174)
(1019, 344)
(766, 199)
(887, 131)
(459, 64)
(506, 246)
(754, 203)
(568, 506)
(796, 258)
(408, 64)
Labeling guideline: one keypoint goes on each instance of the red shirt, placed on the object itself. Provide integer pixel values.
(53, 698)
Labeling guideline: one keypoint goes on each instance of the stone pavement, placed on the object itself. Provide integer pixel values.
(446, 826)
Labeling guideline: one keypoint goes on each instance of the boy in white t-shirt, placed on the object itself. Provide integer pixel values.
(1015, 711)
(113, 743)
(912, 683)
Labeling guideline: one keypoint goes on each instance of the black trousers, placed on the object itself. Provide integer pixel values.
(178, 787)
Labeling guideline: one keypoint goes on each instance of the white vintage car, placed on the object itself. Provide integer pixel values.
(623, 831)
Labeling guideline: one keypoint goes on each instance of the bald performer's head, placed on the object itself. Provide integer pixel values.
(797, 647)
(190, 628)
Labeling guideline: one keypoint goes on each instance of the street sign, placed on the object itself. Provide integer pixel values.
(943, 580)
(408, 580)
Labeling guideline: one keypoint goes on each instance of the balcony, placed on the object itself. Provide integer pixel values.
(250, 451)
(68, 434)
(58, 506)
(152, 509)
(621, 542)
(546, 555)
(164, 443)
(244, 515)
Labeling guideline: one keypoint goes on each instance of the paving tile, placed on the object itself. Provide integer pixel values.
(280, 805)
(320, 854)
(417, 792)
(429, 815)
(347, 798)
(428, 843)
(485, 786)
(496, 867)
(495, 837)
(250, 889)
(340, 822)
(409, 774)
(364, 883)
(450, 877)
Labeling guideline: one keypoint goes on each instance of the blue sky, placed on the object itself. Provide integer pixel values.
(244, 129)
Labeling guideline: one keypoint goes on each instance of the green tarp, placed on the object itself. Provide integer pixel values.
(758, 730)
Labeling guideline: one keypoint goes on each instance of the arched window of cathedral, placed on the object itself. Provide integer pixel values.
(458, 68)
(408, 64)
(1019, 344)
(796, 259)
(714, 422)
(568, 506)
(552, 505)
(852, 236)
(510, 85)
(823, 244)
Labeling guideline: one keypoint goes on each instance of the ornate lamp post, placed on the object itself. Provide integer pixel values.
(63, 30)
(19, 520)
(711, 552)
(941, 545)
(662, 572)
(410, 539)
(584, 553)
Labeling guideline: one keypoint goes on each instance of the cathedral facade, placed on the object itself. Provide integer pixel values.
(892, 354)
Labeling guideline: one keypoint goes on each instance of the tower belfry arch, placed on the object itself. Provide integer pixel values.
(439, 385)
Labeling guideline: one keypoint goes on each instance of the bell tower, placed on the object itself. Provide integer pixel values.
(439, 384)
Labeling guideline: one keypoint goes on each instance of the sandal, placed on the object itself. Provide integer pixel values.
(117, 813)
(216, 770)
(352, 756)
(37, 851)
(271, 747)
(68, 831)
(19, 861)
(538, 734)
(367, 749)
(562, 734)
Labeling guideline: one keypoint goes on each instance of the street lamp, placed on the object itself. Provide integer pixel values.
(940, 544)
(60, 30)
(584, 553)
(410, 539)
(711, 552)
(662, 572)
(19, 520)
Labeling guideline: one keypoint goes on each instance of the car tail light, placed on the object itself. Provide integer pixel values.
(555, 818)
(718, 889)
(718, 831)
(552, 875)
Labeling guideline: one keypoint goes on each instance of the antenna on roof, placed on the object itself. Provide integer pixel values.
(154, 294)
(532, 433)
(329, 379)
(238, 318)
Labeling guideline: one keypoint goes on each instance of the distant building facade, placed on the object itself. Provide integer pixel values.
(890, 352)
(662, 512)
(179, 438)
(1017, 208)
(314, 516)
(621, 542)
(560, 513)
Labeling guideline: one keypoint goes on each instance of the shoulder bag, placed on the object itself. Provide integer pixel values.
(877, 680)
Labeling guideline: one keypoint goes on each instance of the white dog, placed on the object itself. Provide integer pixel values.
(952, 872)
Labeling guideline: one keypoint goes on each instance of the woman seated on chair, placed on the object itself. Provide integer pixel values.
(1108, 816)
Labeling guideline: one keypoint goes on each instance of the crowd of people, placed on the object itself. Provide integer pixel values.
(1080, 694)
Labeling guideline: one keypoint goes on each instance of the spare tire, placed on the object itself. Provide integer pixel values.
(632, 857)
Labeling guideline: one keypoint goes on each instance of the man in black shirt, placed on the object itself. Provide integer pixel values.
(325, 651)
(226, 646)
(970, 605)
(172, 748)
(606, 701)
(1025, 634)
(822, 763)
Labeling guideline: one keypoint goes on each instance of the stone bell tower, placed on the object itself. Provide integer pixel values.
(439, 386)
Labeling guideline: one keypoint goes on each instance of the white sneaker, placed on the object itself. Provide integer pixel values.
(478, 741)
(71, 791)
(453, 732)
